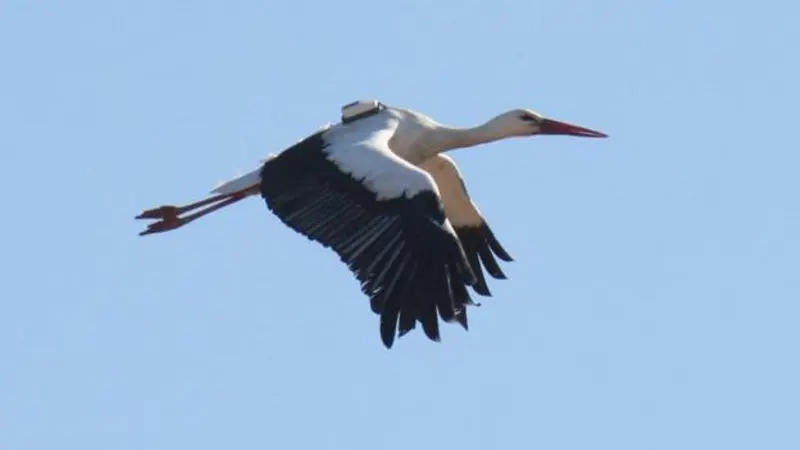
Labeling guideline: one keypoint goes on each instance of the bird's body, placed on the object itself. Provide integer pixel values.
(377, 190)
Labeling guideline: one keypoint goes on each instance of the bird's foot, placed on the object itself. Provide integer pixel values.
(165, 224)
(162, 212)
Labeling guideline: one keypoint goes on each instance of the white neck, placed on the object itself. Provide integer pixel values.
(448, 138)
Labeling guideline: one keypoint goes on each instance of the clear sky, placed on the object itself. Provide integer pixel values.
(654, 303)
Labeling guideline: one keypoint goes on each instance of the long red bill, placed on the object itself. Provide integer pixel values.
(549, 126)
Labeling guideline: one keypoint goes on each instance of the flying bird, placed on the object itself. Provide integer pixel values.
(378, 189)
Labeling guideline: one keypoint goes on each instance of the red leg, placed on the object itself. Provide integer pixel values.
(169, 215)
(163, 212)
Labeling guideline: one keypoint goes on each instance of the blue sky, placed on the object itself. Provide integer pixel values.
(653, 303)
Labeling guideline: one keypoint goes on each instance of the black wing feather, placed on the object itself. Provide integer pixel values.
(477, 239)
(480, 244)
(400, 251)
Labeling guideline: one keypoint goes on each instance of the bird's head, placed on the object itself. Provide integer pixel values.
(525, 122)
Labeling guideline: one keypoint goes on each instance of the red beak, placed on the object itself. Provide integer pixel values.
(548, 126)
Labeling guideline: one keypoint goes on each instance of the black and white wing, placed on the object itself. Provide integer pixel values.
(344, 188)
(477, 238)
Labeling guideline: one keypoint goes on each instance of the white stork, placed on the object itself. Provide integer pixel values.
(378, 190)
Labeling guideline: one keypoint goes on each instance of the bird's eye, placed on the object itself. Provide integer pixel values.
(526, 117)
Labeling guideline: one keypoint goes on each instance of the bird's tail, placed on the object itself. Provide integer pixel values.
(242, 182)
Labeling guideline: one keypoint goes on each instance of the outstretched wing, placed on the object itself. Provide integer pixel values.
(344, 188)
(477, 238)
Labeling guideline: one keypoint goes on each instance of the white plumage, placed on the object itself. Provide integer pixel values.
(237, 184)
(362, 151)
(377, 190)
